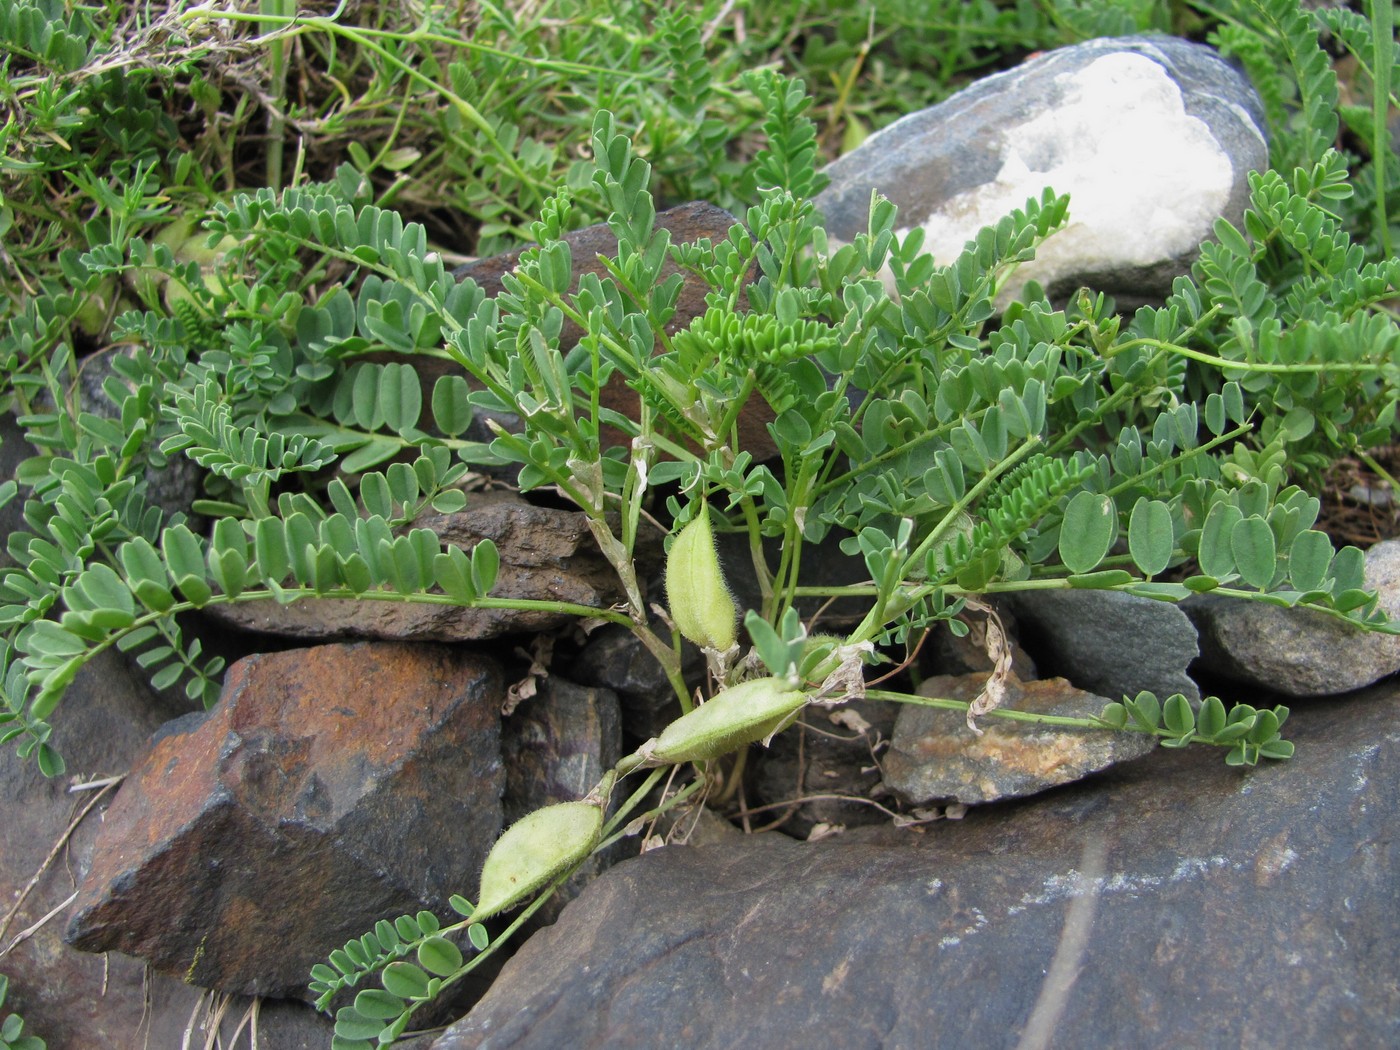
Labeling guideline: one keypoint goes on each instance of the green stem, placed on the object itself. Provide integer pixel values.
(1383, 43)
(1225, 364)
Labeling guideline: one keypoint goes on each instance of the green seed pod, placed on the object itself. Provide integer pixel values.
(535, 849)
(701, 606)
(740, 715)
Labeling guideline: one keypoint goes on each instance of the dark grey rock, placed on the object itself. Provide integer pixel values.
(172, 482)
(614, 659)
(949, 653)
(934, 756)
(1298, 652)
(555, 746)
(835, 764)
(329, 788)
(1173, 902)
(14, 449)
(1110, 643)
(1152, 137)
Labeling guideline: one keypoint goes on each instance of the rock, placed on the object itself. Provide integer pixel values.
(1110, 643)
(14, 450)
(948, 653)
(837, 766)
(1152, 138)
(329, 788)
(1298, 652)
(555, 747)
(1174, 902)
(73, 1000)
(935, 757)
(546, 554)
(614, 659)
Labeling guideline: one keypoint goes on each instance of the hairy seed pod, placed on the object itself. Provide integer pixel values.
(535, 849)
(702, 608)
(740, 715)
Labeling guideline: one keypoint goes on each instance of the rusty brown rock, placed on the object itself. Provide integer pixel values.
(547, 554)
(328, 788)
(934, 756)
(72, 999)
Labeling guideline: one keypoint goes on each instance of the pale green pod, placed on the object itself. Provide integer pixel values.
(535, 849)
(702, 608)
(740, 715)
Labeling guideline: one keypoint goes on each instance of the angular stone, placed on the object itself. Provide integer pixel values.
(1152, 138)
(14, 449)
(1171, 902)
(614, 659)
(71, 999)
(935, 757)
(546, 555)
(329, 788)
(1110, 643)
(837, 768)
(1298, 652)
(951, 654)
(555, 747)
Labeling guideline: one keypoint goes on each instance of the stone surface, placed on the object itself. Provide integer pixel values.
(14, 450)
(935, 757)
(614, 659)
(951, 654)
(1110, 643)
(555, 747)
(1152, 137)
(1173, 902)
(546, 554)
(1297, 652)
(71, 999)
(329, 788)
(835, 764)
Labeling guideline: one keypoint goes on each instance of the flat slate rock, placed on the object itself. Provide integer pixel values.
(935, 757)
(547, 554)
(1152, 137)
(1173, 902)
